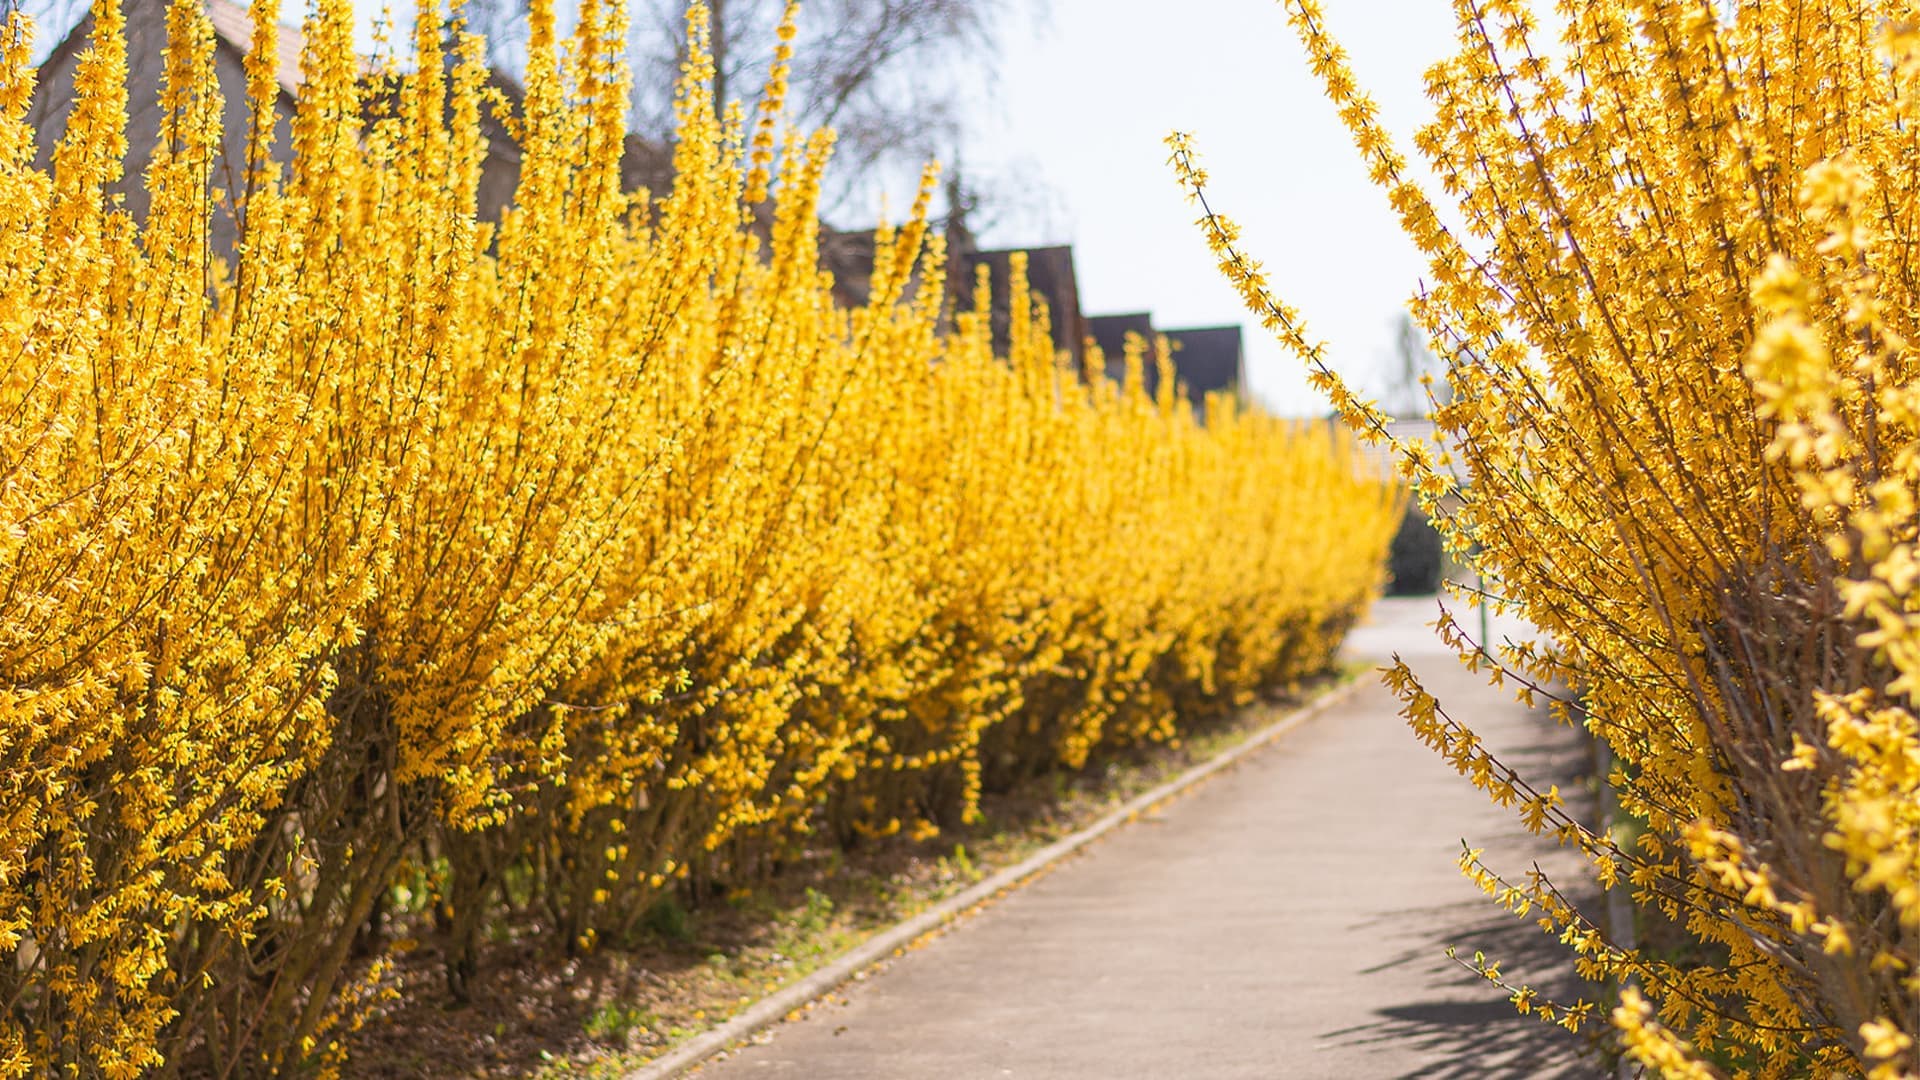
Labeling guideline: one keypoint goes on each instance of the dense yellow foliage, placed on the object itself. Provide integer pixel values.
(588, 552)
(1675, 278)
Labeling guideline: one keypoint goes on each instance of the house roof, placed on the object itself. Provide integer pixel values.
(1110, 333)
(1049, 269)
(1207, 358)
(233, 24)
(1050, 275)
(848, 256)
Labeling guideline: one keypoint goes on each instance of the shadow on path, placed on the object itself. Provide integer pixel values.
(1453, 1023)
(1457, 1026)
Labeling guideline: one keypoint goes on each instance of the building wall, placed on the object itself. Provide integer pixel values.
(52, 106)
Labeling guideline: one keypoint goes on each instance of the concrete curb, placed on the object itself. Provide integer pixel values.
(771, 1009)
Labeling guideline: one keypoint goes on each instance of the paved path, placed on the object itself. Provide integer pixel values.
(1287, 919)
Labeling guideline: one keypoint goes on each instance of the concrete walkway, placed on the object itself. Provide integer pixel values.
(1287, 919)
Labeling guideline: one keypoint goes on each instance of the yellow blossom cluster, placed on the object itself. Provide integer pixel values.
(535, 567)
(1671, 273)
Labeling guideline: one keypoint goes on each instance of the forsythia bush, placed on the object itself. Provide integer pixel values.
(591, 553)
(1675, 278)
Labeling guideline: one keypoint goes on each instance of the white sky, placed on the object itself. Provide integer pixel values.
(1086, 99)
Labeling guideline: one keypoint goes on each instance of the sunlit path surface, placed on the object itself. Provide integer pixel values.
(1289, 918)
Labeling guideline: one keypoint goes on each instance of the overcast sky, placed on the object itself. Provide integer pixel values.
(1087, 97)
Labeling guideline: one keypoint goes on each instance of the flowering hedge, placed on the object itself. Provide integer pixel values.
(595, 550)
(1675, 276)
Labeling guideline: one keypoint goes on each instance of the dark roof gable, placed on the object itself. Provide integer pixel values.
(1050, 276)
(1207, 359)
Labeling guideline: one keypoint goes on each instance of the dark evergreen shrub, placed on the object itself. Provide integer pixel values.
(1414, 560)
